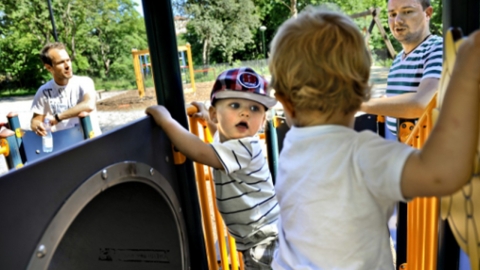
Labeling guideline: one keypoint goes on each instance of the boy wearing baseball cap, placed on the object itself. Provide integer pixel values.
(244, 188)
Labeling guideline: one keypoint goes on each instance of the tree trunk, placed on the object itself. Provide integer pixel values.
(105, 60)
(293, 8)
(205, 53)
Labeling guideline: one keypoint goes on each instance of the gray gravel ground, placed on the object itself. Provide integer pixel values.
(108, 119)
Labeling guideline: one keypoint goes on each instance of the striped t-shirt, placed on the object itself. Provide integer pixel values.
(245, 192)
(405, 74)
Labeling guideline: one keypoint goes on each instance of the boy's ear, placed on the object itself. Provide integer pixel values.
(286, 103)
(213, 114)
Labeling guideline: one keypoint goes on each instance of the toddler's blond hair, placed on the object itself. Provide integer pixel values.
(319, 61)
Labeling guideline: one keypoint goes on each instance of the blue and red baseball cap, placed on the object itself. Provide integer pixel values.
(242, 83)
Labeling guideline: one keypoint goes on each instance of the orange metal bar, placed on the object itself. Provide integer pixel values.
(422, 213)
(205, 199)
(202, 192)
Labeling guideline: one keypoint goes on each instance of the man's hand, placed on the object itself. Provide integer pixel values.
(37, 124)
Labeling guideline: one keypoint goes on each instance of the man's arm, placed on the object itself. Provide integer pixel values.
(86, 105)
(408, 106)
(187, 143)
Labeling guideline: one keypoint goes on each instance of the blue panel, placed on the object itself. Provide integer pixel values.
(62, 139)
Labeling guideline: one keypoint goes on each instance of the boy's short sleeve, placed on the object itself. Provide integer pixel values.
(381, 164)
(235, 154)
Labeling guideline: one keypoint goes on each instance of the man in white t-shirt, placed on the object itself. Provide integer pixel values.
(64, 97)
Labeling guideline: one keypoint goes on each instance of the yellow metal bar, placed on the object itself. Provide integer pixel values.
(380, 118)
(233, 252)
(219, 225)
(190, 67)
(182, 48)
(4, 148)
(138, 73)
(221, 234)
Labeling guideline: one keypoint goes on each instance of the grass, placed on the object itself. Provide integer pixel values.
(17, 92)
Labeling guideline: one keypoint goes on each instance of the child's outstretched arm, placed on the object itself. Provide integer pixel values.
(205, 115)
(187, 143)
(445, 163)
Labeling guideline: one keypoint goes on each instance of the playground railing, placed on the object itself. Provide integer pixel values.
(422, 213)
(213, 225)
(20, 146)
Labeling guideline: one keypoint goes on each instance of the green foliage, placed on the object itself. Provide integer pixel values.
(99, 35)
(220, 27)
(436, 24)
(181, 41)
(109, 85)
(17, 92)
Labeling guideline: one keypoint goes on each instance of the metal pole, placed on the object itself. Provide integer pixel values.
(162, 42)
(53, 20)
(263, 28)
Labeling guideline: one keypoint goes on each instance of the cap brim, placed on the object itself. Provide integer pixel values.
(264, 100)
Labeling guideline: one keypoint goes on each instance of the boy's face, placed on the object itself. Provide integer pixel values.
(237, 118)
(408, 21)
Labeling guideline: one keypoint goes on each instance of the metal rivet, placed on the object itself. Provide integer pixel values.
(104, 174)
(37, 151)
(167, 159)
(151, 171)
(42, 251)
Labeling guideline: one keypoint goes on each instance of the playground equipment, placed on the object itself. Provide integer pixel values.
(118, 201)
(142, 67)
(458, 209)
(374, 12)
(22, 146)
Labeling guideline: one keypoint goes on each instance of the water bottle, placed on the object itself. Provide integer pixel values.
(47, 140)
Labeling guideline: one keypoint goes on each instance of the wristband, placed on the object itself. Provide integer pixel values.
(57, 118)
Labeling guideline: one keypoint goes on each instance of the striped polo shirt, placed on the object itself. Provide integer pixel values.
(405, 75)
(245, 192)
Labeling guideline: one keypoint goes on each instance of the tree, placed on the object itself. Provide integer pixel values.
(99, 35)
(23, 27)
(224, 26)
